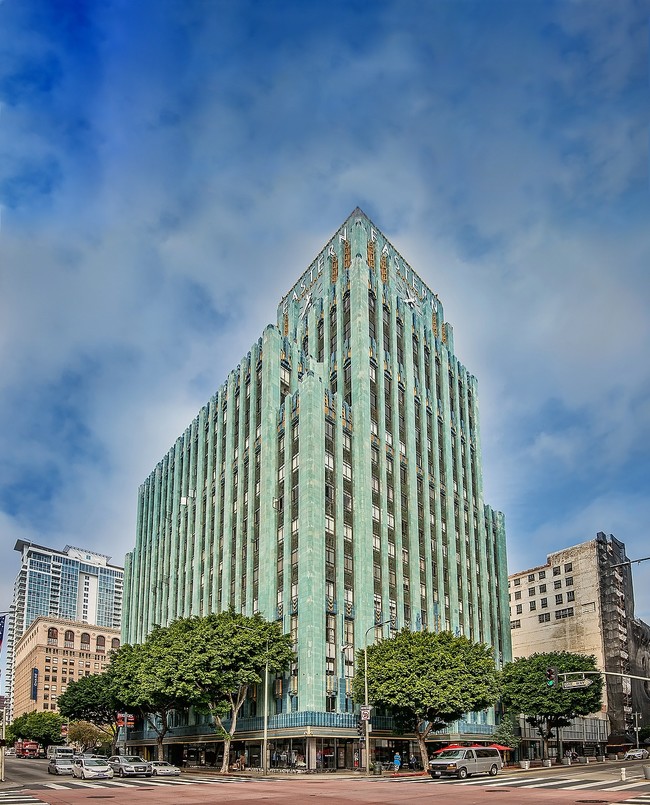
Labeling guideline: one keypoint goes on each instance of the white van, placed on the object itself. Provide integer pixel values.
(465, 761)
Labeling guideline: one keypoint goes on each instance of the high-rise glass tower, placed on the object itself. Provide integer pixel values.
(73, 584)
(334, 483)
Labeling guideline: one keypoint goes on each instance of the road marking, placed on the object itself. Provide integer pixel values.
(628, 785)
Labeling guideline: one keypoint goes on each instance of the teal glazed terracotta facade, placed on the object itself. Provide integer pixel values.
(333, 483)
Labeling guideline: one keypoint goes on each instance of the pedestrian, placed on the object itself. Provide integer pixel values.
(397, 761)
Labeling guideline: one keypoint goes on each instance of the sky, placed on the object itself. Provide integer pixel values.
(169, 168)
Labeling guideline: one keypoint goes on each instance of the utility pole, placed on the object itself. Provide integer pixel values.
(365, 687)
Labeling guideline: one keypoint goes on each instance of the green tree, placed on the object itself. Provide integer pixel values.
(92, 699)
(45, 728)
(505, 733)
(150, 682)
(223, 655)
(84, 735)
(427, 680)
(525, 690)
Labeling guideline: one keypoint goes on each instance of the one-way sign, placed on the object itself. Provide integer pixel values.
(573, 684)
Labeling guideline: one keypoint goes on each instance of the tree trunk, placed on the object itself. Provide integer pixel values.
(235, 707)
(422, 745)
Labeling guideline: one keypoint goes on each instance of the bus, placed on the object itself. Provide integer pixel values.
(60, 751)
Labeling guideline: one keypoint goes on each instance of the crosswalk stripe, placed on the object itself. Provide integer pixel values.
(628, 785)
(591, 784)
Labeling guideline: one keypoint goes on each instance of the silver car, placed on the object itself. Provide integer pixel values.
(91, 768)
(130, 766)
(164, 769)
(60, 765)
(636, 754)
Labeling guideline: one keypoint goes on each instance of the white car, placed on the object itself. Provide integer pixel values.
(162, 768)
(91, 768)
(636, 754)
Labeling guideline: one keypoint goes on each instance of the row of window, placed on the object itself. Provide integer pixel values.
(557, 570)
(84, 641)
(545, 617)
(543, 603)
(557, 585)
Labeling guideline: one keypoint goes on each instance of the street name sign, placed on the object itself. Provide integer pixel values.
(576, 684)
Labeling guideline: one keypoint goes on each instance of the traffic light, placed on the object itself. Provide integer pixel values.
(551, 676)
(361, 728)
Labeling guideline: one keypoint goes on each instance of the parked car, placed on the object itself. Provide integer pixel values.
(91, 768)
(129, 766)
(636, 754)
(161, 767)
(60, 765)
(464, 761)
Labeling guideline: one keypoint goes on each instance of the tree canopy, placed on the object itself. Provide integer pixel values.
(84, 734)
(427, 679)
(45, 728)
(148, 679)
(525, 690)
(93, 699)
(224, 654)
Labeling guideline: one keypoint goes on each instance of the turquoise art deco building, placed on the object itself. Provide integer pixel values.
(334, 483)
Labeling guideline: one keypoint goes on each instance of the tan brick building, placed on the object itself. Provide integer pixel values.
(582, 600)
(54, 652)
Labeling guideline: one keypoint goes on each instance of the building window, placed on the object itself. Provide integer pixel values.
(515, 624)
(543, 603)
(570, 596)
(542, 574)
(568, 582)
(533, 606)
(545, 617)
(558, 599)
(542, 588)
(517, 595)
(563, 613)
(568, 567)
(517, 582)
(557, 584)
(531, 577)
(556, 570)
(531, 591)
(519, 609)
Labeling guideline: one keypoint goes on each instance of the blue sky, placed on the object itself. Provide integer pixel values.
(169, 168)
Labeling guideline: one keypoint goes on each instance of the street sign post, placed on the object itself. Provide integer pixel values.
(364, 713)
(576, 684)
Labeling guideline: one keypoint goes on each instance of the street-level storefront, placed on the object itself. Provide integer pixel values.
(291, 754)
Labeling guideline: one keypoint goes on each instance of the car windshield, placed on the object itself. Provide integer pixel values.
(94, 761)
(62, 761)
(133, 759)
(450, 753)
(160, 763)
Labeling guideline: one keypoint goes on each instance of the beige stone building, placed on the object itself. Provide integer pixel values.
(54, 652)
(582, 600)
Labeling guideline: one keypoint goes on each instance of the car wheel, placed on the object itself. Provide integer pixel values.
(83, 775)
(155, 773)
(121, 772)
(462, 773)
(493, 770)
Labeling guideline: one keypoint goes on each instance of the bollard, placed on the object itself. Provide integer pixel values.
(623, 777)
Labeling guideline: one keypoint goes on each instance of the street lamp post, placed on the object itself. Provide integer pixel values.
(265, 739)
(365, 687)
